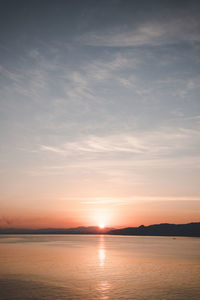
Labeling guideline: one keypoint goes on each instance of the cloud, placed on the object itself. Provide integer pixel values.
(121, 201)
(83, 82)
(103, 201)
(52, 149)
(153, 142)
(96, 144)
(146, 34)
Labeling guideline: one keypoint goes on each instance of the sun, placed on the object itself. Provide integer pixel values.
(101, 226)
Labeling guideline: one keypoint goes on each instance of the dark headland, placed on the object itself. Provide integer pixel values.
(163, 229)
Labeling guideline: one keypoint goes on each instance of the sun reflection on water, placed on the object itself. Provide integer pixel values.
(102, 256)
(103, 288)
(101, 251)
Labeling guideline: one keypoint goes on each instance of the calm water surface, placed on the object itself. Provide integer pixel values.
(85, 267)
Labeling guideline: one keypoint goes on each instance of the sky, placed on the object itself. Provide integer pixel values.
(99, 112)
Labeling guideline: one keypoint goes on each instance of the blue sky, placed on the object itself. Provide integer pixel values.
(99, 104)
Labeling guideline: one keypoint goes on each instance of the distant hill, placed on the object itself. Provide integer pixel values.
(164, 229)
(76, 230)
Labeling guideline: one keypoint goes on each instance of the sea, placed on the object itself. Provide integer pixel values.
(62, 267)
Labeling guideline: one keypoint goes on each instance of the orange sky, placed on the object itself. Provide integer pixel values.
(111, 212)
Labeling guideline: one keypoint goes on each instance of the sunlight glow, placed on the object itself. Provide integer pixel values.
(101, 226)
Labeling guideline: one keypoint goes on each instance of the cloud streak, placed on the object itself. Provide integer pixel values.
(179, 30)
(162, 142)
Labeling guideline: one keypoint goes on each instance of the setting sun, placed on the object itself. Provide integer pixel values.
(101, 226)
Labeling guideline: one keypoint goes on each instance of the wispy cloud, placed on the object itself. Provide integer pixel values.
(158, 142)
(131, 200)
(83, 82)
(146, 34)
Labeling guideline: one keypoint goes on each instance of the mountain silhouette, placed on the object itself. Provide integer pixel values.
(76, 230)
(163, 229)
